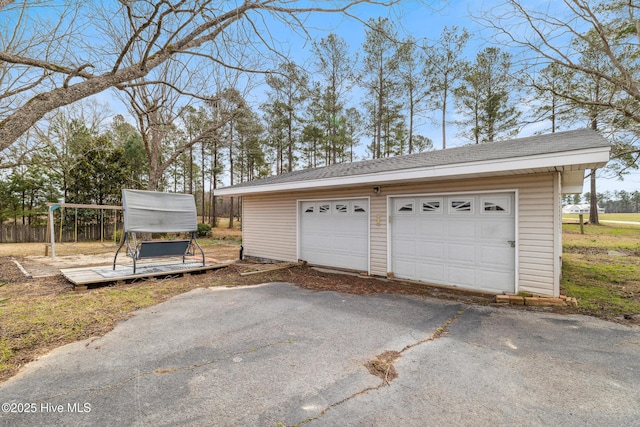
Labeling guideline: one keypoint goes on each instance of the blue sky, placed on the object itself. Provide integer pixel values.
(415, 19)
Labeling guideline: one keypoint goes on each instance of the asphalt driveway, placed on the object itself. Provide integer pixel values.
(280, 355)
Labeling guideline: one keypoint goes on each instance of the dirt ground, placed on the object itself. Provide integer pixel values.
(47, 280)
(40, 275)
(242, 273)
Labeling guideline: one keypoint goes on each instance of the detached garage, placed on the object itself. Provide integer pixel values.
(482, 217)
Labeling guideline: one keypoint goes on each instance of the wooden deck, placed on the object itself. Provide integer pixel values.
(84, 277)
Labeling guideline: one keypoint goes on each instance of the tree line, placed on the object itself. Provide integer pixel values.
(611, 201)
(213, 97)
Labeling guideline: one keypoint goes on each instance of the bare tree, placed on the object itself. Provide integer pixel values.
(50, 59)
(597, 44)
(155, 105)
(559, 36)
(545, 89)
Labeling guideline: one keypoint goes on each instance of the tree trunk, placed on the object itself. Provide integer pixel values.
(444, 119)
(231, 172)
(203, 174)
(411, 107)
(379, 118)
(593, 208)
(290, 138)
(190, 169)
(214, 185)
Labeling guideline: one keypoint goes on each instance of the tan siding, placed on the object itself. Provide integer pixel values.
(269, 225)
(557, 220)
(535, 273)
(536, 229)
(539, 257)
(378, 254)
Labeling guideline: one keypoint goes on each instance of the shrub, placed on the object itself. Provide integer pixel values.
(203, 230)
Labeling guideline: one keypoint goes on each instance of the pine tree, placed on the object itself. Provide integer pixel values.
(378, 76)
(485, 98)
(444, 67)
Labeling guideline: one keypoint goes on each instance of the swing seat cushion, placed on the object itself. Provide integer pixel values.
(163, 248)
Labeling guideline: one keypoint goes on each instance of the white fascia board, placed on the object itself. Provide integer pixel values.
(550, 161)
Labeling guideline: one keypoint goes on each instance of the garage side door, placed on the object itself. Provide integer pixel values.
(335, 233)
(461, 240)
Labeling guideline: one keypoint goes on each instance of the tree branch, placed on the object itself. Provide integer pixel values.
(187, 36)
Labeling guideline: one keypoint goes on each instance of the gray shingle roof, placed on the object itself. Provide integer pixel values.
(500, 150)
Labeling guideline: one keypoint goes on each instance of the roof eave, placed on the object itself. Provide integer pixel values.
(567, 160)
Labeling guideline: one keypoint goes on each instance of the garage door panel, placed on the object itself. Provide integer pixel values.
(491, 280)
(346, 243)
(349, 226)
(461, 253)
(408, 227)
(435, 272)
(461, 228)
(321, 257)
(342, 262)
(430, 228)
(405, 269)
(461, 276)
(495, 230)
(316, 224)
(496, 255)
(460, 240)
(430, 250)
(405, 247)
(317, 242)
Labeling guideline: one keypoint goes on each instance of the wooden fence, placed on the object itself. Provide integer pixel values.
(18, 233)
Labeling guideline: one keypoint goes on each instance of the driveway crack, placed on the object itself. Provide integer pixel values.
(382, 365)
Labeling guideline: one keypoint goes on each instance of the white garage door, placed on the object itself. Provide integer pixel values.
(461, 240)
(335, 233)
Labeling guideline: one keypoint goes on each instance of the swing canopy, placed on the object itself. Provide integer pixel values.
(155, 212)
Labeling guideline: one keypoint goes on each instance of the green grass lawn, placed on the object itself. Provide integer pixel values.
(604, 236)
(605, 285)
(620, 217)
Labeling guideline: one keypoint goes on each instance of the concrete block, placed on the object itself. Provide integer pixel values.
(502, 299)
(516, 300)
